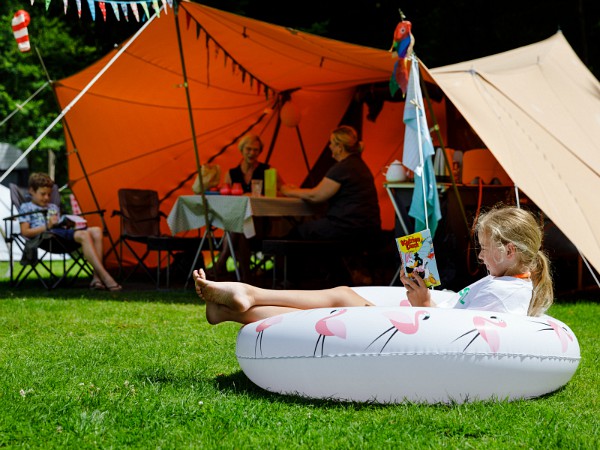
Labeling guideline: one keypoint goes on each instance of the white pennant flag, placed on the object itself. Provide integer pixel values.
(115, 8)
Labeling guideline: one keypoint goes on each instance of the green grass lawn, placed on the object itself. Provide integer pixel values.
(142, 369)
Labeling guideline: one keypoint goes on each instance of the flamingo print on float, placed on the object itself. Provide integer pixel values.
(260, 329)
(403, 323)
(328, 326)
(561, 332)
(487, 329)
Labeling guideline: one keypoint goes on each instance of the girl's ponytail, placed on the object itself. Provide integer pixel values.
(543, 292)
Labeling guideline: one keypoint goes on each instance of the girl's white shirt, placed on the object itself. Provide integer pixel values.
(500, 294)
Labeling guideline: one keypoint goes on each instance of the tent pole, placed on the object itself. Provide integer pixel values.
(275, 134)
(105, 229)
(303, 149)
(193, 130)
(439, 135)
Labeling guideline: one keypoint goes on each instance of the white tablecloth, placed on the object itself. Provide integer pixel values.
(233, 213)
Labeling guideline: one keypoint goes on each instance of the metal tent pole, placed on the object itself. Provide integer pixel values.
(194, 140)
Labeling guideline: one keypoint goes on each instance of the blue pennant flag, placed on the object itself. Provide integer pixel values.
(417, 156)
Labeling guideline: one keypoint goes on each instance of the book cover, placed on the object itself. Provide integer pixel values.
(418, 257)
(71, 221)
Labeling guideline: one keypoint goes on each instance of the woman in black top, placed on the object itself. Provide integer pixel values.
(349, 190)
(352, 213)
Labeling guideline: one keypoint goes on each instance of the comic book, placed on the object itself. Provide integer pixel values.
(418, 258)
(68, 221)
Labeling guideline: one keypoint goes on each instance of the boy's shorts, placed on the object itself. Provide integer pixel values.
(68, 234)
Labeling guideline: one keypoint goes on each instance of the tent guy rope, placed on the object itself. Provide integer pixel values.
(20, 106)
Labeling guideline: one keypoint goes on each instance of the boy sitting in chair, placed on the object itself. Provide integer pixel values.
(36, 223)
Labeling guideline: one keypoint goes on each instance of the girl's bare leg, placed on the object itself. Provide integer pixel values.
(244, 302)
(217, 313)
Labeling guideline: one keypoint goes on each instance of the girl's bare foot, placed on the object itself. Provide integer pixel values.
(236, 296)
(216, 313)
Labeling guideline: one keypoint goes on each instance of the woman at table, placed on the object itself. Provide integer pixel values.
(348, 188)
(249, 168)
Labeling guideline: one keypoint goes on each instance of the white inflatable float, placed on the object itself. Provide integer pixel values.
(393, 354)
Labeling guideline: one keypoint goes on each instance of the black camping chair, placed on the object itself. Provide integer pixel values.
(140, 223)
(54, 248)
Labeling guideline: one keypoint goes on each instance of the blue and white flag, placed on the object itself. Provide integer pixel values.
(417, 156)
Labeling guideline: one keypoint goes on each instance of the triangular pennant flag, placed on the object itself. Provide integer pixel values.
(156, 8)
(187, 20)
(47, 4)
(65, 3)
(34, 0)
(164, 4)
(170, 2)
(115, 8)
(145, 8)
(125, 11)
(92, 6)
(78, 7)
(102, 7)
(134, 8)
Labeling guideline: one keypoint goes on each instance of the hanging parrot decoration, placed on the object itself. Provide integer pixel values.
(401, 49)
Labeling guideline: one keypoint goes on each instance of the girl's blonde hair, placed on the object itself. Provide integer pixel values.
(509, 224)
(348, 138)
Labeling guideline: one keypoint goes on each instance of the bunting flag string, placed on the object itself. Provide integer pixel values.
(134, 5)
(235, 65)
(145, 5)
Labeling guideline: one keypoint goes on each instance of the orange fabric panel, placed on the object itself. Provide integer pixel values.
(132, 128)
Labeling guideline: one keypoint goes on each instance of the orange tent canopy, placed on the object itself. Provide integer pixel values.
(132, 128)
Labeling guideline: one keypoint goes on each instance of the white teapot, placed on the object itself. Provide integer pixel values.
(395, 172)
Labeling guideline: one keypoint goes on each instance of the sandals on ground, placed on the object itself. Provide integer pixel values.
(115, 288)
(97, 285)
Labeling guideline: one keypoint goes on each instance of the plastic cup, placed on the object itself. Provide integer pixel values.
(257, 187)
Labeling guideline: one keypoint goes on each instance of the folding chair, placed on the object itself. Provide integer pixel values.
(140, 216)
(52, 247)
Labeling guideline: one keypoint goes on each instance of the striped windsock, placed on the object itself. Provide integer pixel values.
(19, 25)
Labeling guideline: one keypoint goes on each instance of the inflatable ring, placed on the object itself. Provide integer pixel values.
(392, 354)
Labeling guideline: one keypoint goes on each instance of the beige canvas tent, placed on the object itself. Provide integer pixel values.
(537, 108)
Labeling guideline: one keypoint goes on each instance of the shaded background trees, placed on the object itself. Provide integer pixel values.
(445, 32)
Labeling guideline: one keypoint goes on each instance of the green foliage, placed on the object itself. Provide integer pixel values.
(60, 46)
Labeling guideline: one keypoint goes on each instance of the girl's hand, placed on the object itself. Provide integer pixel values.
(418, 294)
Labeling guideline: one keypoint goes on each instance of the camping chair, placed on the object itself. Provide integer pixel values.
(52, 247)
(140, 216)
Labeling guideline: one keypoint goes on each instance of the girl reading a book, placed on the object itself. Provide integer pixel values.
(34, 223)
(519, 280)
